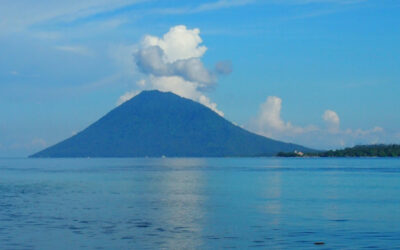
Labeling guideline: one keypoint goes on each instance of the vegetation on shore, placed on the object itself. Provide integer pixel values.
(379, 150)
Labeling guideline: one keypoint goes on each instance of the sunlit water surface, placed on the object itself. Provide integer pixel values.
(266, 203)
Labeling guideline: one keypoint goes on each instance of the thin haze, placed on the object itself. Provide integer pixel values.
(323, 73)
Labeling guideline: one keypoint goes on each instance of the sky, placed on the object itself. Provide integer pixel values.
(321, 73)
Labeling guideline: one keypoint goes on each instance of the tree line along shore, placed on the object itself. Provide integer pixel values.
(381, 150)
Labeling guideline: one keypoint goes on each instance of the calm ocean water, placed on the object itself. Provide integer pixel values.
(267, 203)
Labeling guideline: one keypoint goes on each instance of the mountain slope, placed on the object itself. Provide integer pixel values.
(156, 124)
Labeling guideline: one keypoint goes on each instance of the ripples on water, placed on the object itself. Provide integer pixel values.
(199, 203)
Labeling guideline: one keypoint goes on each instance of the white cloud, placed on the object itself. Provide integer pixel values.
(178, 43)
(332, 120)
(127, 96)
(39, 142)
(204, 7)
(362, 132)
(152, 60)
(270, 113)
(173, 63)
(222, 4)
(182, 88)
(269, 123)
(22, 146)
(226, 4)
(21, 14)
(303, 2)
(194, 70)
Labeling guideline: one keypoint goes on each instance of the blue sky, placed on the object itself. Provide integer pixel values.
(323, 73)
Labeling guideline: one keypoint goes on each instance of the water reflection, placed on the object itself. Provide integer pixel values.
(271, 187)
(172, 199)
(198, 203)
(273, 192)
(183, 211)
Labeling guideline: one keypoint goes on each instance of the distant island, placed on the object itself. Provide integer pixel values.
(163, 124)
(379, 150)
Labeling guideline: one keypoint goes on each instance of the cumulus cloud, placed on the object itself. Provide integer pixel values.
(269, 123)
(178, 43)
(331, 119)
(270, 114)
(127, 96)
(173, 63)
(152, 60)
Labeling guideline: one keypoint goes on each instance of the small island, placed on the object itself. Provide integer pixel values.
(378, 150)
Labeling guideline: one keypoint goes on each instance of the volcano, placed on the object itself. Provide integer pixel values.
(156, 124)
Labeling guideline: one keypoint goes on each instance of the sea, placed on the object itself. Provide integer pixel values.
(200, 203)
